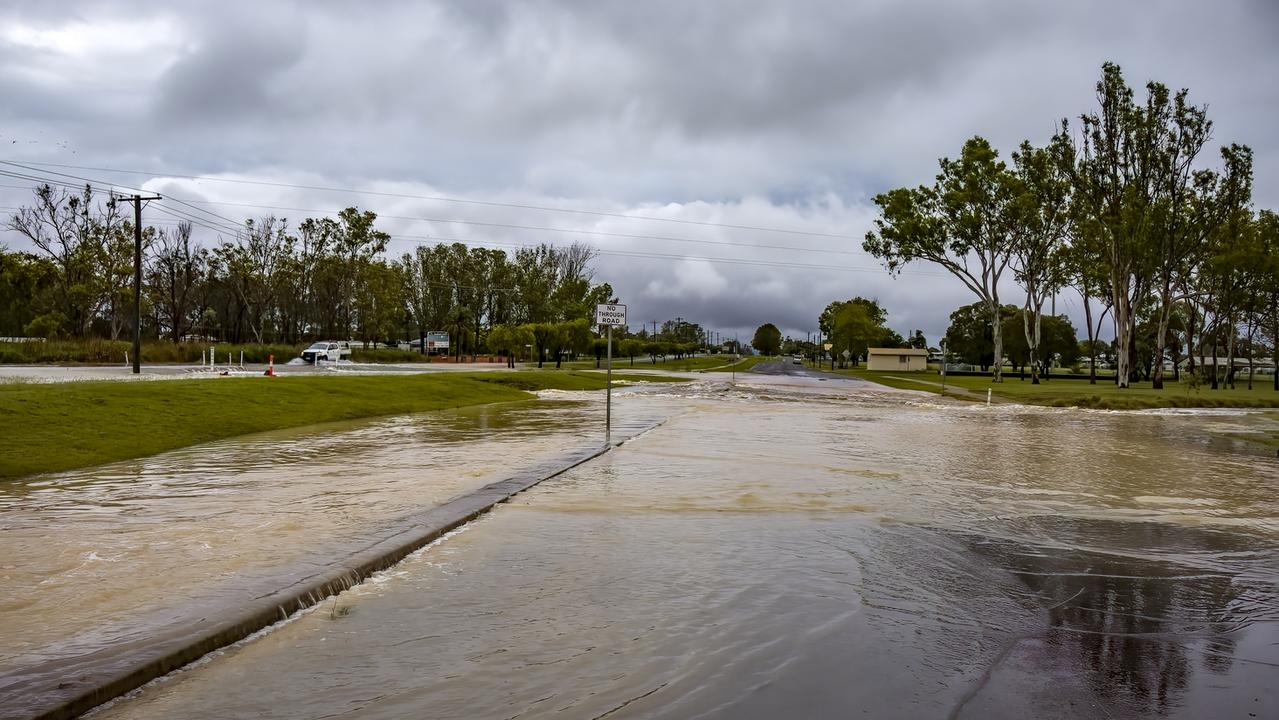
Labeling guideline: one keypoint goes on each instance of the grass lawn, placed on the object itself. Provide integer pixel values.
(48, 427)
(1080, 393)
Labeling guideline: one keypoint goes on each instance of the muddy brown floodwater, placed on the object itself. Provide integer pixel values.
(794, 547)
(106, 555)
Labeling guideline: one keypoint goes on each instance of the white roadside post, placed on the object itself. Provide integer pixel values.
(609, 314)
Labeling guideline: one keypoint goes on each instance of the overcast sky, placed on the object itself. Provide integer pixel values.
(780, 115)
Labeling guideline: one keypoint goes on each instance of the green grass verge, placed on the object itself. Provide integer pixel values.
(1080, 393)
(47, 427)
(113, 352)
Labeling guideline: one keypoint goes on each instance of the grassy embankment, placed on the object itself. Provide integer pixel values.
(113, 352)
(1080, 393)
(48, 427)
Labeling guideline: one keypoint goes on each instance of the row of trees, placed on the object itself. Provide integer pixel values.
(326, 278)
(970, 338)
(857, 324)
(1125, 212)
(849, 326)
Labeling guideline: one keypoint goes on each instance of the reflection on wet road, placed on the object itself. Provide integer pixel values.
(794, 547)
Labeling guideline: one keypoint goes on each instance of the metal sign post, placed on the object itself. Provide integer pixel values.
(609, 314)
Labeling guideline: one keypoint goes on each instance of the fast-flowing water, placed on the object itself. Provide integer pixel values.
(105, 555)
(802, 548)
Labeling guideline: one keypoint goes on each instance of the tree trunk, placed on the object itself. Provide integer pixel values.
(1123, 342)
(1215, 367)
(1032, 338)
(1161, 335)
(1274, 351)
(997, 338)
(1123, 331)
(1230, 353)
(1092, 343)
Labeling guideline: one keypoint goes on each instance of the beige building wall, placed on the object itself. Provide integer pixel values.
(893, 360)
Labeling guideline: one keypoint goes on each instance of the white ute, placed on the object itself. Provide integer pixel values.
(327, 351)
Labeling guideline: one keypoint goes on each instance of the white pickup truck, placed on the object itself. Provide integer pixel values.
(328, 351)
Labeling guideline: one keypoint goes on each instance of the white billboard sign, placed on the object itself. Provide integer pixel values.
(606, 314)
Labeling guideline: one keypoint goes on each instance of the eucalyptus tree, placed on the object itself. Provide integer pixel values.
(965, 223)
(74, 230)
(1135, 183)
(1042, 221)
(175, 271)
(1085, 270)
(767, 339)
(1267, 236)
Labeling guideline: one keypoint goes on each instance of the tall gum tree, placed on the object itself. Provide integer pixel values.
(1135, 183)
(964, 223)
(1043, 218)
(1267, 233)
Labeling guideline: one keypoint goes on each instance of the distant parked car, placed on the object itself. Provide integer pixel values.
(328, 351)
(797, 360)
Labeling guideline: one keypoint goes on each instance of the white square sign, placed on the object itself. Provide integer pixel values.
(606, 314)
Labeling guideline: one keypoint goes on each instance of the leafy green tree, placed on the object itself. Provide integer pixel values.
(72, 230)
(27, 284)
(629, 348)
(968, 216)
(969, 336)
(545, 337)
(768, 339)
(175, 271)
(1136, 185)
(1042, 210)
(459, 327)
(508, 340)
(1267, 235)
(1057, 340)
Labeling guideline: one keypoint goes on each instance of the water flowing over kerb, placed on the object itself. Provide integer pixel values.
(68, 687)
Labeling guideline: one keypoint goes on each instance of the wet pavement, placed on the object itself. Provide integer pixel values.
(788, 546)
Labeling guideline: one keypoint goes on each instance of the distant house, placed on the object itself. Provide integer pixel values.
(1263, 365)
(896, 359)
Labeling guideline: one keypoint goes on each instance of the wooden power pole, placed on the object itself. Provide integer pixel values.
(137, 278)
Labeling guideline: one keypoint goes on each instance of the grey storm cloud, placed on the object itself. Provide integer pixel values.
(749, 113)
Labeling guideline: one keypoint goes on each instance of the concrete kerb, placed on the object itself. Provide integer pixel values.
(67, 688)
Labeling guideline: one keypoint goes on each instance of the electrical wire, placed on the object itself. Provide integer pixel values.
(576, 231)
(218, 228)
(441, 198)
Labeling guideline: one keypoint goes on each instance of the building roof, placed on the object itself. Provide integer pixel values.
(895, 351)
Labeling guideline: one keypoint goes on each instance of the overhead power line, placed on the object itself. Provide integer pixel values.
(442, 198)
(233, 228)
(511, 226)
(112, 186)
(433, 239)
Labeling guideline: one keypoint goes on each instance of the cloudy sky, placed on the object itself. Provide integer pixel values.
(720, 155)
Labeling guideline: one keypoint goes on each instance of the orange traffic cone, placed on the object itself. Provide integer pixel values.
(270, 366)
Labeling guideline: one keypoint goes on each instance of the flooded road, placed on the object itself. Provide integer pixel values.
(802, 547)
(106, 555)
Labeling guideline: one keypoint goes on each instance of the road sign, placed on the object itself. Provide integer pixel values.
(437, 340)
(610, 315)
(827, 346)
(846, 354)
